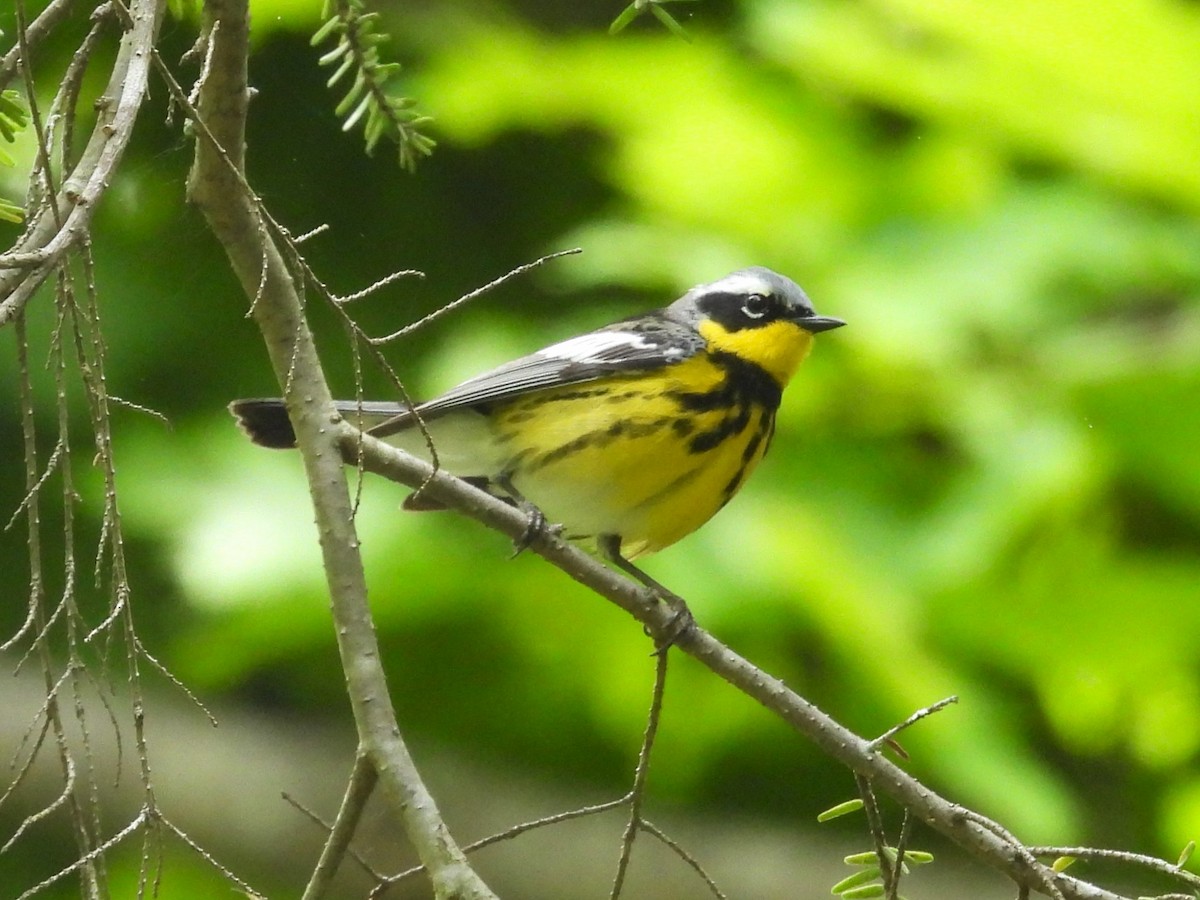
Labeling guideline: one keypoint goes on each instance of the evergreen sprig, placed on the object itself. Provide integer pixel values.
(367, 99)
(639, 8)
(14, 118)
(868, 880)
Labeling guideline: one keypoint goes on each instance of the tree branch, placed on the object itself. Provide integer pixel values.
(65, 219)
(216, 186)
(363, 779)
(38, 30)
(975, 834)
(637, 794)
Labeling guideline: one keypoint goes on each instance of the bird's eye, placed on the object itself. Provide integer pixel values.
(756, 306)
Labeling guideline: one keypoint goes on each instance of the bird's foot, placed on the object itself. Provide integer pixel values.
(677, 626)
(538, 526)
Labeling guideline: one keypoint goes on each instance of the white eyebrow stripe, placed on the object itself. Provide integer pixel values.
(593, 347)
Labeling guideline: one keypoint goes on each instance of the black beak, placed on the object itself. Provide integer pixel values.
(817, 324)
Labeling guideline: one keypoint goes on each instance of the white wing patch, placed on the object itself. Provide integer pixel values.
(596, 347)
(674, 354)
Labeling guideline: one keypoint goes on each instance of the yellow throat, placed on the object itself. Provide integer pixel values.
(778, 348)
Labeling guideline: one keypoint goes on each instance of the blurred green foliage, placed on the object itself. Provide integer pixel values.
(988, 484)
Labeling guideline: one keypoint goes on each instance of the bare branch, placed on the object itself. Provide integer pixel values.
(893, 887)
(856, 753)
(90, 857)
(875, 826)
(66, 219)
(506, 835)
(467, 298)
(363, 779)
(327, 827)
(174, 680)
(1154, 864)
(637, 793)
(679, 851)
(920, 714)
(208, 858)
(309, 235)
(48, 809)
(35, 32)
(215, 185)
(377, 286)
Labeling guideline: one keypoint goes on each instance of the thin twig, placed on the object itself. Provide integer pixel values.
(210, 859)
(912, 720)
(677, 848)
(34, 818)
(830, 737)
(637, 793)
(22, 771)
(70, 86)
(327, 827)
(174, 679)
(88, 858)
(875, 825)
(31, 491)
(507, 834)
(1141, 860)
(138, 407)
(893, 886)
(377, 286)
(43, 166)
(467, 298)
(51, 234)
(1048, 884)
(361, 783)
(35, 32)
(312, 233)
(554, 819)
(261, 266)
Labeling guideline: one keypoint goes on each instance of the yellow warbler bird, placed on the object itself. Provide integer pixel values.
(631, 436)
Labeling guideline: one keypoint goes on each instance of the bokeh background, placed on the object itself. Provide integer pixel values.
(987, 485)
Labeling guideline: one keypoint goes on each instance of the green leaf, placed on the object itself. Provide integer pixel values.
(362, 107)
(627, 15)
(856, 880)
(328, 59)
(352, 95)
(841, 809)
(346, 66)
(13, 116)
(331, 26)
(864, 892)
(868, 858)
(11, 213)
(669, 21)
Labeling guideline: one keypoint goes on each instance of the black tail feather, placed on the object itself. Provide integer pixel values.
(265, 422)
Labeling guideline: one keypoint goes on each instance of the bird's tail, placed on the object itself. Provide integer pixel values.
(266, 422)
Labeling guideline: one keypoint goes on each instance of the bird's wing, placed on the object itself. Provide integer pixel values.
(638, 344)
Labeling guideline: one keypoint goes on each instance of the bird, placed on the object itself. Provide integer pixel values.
(627, 438)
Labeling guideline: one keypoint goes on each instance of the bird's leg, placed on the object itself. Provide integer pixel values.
(538, 525)
(681, 620)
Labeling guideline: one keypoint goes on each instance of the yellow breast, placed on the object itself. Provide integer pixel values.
(650, 456)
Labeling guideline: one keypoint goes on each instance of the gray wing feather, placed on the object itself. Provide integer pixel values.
(640, 344)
